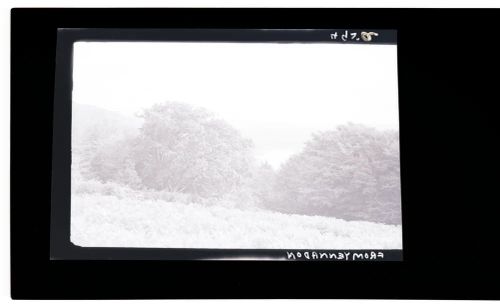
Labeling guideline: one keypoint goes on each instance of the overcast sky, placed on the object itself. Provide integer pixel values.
(275, 94)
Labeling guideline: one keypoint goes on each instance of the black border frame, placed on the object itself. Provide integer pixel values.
(61, 246)
(446, 128)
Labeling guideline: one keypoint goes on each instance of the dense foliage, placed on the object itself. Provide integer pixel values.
(351, 173)
(179, 153)
(185, 149)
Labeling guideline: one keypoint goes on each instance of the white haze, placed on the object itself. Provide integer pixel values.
(274, 94)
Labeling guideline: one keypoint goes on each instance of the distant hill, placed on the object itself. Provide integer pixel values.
(90, 123)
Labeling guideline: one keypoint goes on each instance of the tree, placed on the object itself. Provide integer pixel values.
(101, 142)
(351, 173)
(113, 162)
(186, 149)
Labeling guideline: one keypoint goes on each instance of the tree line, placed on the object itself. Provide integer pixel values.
(350, 172)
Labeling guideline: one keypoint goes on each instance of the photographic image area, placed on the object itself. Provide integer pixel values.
(235, 145)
